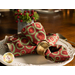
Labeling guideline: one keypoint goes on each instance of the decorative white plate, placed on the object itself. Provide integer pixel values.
(37, 60)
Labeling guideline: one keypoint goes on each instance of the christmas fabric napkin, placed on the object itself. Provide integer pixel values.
(34, 40)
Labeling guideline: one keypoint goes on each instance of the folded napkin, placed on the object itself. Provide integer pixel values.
(57, 53)
(34, 40)
(34, 32)
(19, 44)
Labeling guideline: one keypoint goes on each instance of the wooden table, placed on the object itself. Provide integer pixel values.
(61, 22)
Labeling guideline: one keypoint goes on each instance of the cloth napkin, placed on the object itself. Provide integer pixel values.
(34, 40)
(20, 45)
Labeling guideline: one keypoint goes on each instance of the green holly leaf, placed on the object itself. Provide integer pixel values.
(27, 18)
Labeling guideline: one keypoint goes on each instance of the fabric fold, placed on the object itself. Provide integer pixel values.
(57, 53)
(34, 40)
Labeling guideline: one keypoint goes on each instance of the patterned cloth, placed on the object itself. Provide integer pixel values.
(20, 44)
(34, 32)
(31, 36)
(57, 53)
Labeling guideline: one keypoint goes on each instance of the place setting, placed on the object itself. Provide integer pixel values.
(32, 46)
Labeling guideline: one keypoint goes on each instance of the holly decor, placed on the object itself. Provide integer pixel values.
(26, 16)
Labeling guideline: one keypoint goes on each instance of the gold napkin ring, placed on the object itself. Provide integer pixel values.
(42, 47)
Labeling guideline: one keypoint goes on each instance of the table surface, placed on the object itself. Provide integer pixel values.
(61, 22)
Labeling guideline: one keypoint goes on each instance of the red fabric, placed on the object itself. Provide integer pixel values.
(21, 45)
(57, 56)
(26, 43)
(34, 32)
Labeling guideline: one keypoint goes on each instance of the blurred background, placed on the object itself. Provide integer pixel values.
(50, 18)
(43, 10)
(65, 12)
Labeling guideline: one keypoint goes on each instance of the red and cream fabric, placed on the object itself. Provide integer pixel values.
(27, 41)
(34, 32)
(21, 45)
(58, 54)
(52, 39)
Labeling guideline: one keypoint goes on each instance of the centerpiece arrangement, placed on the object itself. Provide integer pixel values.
(24, 18)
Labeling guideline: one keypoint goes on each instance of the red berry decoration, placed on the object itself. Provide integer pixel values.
(31, 14)
(20, 13)
(24, 14)
(34, 21)
(32, 11)
(18, 10)
(18, 17)
(15, 14)
(33, 18)
(28, 11)
(24, 11)
(21, 20)
(16, 21)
